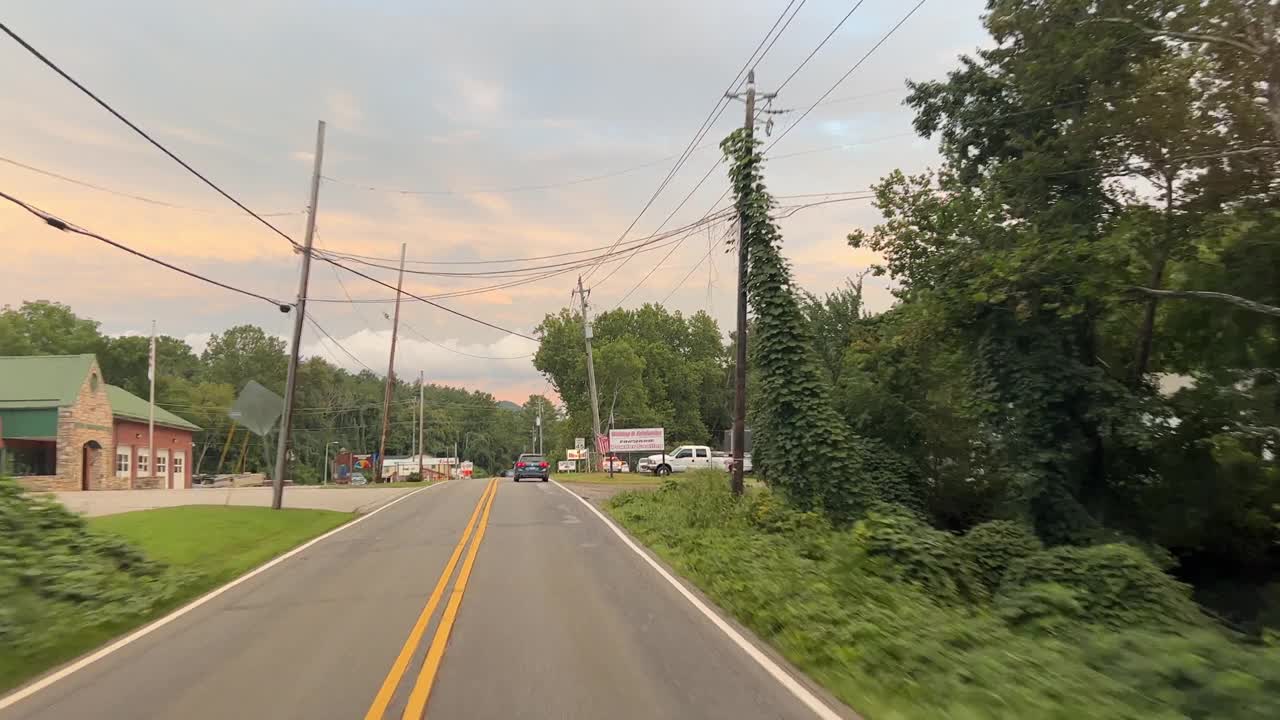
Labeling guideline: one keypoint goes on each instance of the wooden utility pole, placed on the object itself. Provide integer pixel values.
(591, 369)
(391, 372)
(299, 315)
(422, 425)
(740, 364)
(740, 357)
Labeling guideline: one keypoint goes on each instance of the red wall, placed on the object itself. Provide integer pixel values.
(128, 432)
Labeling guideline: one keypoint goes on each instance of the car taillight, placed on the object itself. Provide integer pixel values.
(543, 465)
(519, 464)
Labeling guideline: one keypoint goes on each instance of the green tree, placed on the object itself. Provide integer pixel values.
(40, 327)
(244, 353)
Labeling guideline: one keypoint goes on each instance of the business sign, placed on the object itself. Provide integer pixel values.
(575, 454)
(566, 466)
(637, 440)
(579, 443)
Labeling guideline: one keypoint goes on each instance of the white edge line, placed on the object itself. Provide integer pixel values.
(784, 678)
(35, 687)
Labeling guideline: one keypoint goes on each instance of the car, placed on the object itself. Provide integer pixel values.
(724, 460)
(532, 465)
(681, 459)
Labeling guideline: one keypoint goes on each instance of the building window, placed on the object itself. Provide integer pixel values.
(93, 382)
(31, 457)
(178, 462)
(160, 463)
(122, 462)
(144, 464)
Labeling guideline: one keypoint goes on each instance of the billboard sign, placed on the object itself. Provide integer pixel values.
(575, 454)
(637, 440)
(566, 466)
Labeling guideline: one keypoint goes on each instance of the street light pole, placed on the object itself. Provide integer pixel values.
(324, 471)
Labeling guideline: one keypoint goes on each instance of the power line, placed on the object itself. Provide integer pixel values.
(851, 70)
(819, 46)
(442, 346)
(119, 193)
(53, 66)
(712, 116)
(347, 352)
(67, 226)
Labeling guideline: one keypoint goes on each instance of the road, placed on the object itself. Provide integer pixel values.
(467, 600)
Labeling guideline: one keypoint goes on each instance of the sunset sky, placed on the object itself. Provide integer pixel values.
(464, 100)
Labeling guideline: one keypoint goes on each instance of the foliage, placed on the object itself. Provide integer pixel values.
(801, 445)
(58, 576)
(654, 368)
(995, 545)
(1115, 585)
(903, 548)
(891, 649)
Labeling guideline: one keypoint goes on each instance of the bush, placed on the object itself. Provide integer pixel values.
(1117, 585)
(57, 576)
(898, 650)
(902, 547)
(993, 546)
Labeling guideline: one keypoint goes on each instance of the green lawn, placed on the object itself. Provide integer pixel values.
(202, 546)
(214, 543)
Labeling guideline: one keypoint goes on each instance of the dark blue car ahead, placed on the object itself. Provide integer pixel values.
(531, 465)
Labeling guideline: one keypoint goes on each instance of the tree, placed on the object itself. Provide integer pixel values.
(244, 353)
(41, 327)
(125, 360)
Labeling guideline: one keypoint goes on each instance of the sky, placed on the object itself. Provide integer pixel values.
(466, 105)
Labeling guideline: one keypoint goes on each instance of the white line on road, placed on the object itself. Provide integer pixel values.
(46, 681)
(800, 692)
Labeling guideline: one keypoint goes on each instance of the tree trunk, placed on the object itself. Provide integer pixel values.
(1146, 333)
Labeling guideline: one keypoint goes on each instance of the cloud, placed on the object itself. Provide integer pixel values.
(447, 361)
(344, 111)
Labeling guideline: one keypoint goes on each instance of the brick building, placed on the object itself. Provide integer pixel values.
(63, 428)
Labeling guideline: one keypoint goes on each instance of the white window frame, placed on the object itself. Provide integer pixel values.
(144, 462)
(123, 461)
(179, 467)
(162, 463)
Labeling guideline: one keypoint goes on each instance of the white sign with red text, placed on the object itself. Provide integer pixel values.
(636, 440)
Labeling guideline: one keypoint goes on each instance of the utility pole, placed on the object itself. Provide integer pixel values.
(740, 358)
(539, 424)
(591, 368)
(391, 371)
(151, 406)
(422, 424)
(299, 315)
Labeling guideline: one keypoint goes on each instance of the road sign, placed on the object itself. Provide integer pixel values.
(636, 440)
(566, 466)
(579, 443)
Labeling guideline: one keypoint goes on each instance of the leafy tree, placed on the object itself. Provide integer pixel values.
(244, 353)
(41, 327)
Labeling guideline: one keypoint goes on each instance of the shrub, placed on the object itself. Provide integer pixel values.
(900, 546)
(993, 546)
(57, 576)
(1042, 607)
(1117, 585)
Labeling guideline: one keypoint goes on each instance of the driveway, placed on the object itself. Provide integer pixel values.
(111, 502)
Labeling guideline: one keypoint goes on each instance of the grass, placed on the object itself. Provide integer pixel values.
(892, 650)
(604, 479)
(202, 546)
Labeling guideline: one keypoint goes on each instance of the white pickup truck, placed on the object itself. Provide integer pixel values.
(682, 459)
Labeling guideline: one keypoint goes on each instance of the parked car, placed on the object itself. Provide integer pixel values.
(681, 459)
(616, 464)
(724, 460)
(532, 465)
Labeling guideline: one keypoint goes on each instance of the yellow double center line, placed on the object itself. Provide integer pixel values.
(417, 704)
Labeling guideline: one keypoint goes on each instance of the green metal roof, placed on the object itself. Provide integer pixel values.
(125, 404)
(42, 381)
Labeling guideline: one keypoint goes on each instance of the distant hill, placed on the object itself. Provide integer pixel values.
(508, 405)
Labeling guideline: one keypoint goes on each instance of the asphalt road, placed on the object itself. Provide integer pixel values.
(546, 613)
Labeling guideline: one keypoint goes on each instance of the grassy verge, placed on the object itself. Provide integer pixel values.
(604, 479)
(843, 606)
(200, 548)
(400, 484)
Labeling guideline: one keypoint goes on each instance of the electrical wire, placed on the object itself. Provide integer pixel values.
(53, 66)
(442, 346)
(851, 70)
(347, 352)
(819, 46)
(721, 103)
(131, 196)
(66, 226)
